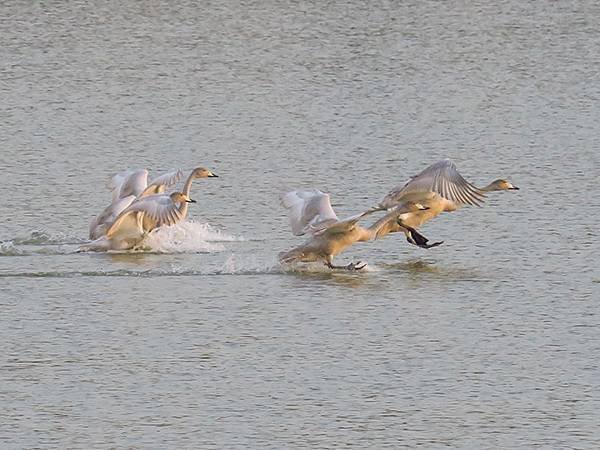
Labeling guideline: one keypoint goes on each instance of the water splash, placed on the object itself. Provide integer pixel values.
(188, 237)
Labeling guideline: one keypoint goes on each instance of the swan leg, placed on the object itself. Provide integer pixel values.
(416, 238)
(351, 266)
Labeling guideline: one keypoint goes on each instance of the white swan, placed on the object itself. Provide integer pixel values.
(129, 228)
(310, 212)
(441, 188)
(126, 187)
(130, 186)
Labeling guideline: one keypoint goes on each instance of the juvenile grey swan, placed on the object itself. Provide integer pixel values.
(310, 212)
(441, 188)
(129, 228)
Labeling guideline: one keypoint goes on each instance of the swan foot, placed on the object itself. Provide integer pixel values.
(416, 238)
(352, 266)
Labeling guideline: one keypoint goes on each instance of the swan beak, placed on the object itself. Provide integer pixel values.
(189, 200)
(212, 175)
(515, 188)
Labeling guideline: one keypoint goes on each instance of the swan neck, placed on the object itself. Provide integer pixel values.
(188, 184)
(183, 206)
(373, 230)
(366, 234)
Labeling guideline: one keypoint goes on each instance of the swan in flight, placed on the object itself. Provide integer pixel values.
(130, 227)
(441, 188)
(310, 212)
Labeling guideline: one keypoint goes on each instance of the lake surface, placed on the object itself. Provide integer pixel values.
(488, 341)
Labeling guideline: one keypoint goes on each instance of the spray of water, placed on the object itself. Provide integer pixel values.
(188, 237)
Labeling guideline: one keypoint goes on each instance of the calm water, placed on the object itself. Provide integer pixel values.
(489, 341)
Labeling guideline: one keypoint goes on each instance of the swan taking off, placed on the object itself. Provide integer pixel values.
(441, 188)
(130, 227)
(131, 186)
(125, 188)
(310, 212)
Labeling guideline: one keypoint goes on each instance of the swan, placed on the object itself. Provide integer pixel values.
(128, 229)
(310, 212)
(133, 183)
(441, 188)
(126, 187)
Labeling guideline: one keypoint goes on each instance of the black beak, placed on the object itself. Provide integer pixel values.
(212, 175)
(191, 201)
(515, 188)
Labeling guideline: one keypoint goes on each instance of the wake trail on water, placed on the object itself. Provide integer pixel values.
(186, 237)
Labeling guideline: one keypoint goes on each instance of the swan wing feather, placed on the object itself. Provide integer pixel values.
(160, 183)
(441, 178)
(307, 210)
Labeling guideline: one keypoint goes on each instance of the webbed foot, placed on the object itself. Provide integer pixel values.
(356, 266)
(416, 238)
(352, 266)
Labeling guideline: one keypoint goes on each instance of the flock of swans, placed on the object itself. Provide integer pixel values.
(137, 208)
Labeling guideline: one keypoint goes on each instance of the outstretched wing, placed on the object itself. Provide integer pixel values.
(129, 182)
(307, 210)
(159, 184)
(441, 178)
(110, 213)
(159, 208)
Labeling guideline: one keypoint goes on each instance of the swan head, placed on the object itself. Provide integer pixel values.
(202, 172)
(180, 197)
(403, 210)
(414, 207)
(502, 185)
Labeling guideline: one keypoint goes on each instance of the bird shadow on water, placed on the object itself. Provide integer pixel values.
(424, 269)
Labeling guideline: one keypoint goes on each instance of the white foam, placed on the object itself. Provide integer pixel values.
(188, 237)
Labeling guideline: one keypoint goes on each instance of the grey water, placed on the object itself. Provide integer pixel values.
(490, 340)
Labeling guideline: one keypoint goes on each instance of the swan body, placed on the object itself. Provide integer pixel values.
(129, 228)
(126, 187)
(310, 212)
(131, 186)
(441, 188)
(104, 220)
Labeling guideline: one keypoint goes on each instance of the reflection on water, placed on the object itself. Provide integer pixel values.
(314, 274)
(433, 270)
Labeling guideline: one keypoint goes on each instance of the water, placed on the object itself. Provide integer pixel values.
(488, 341)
